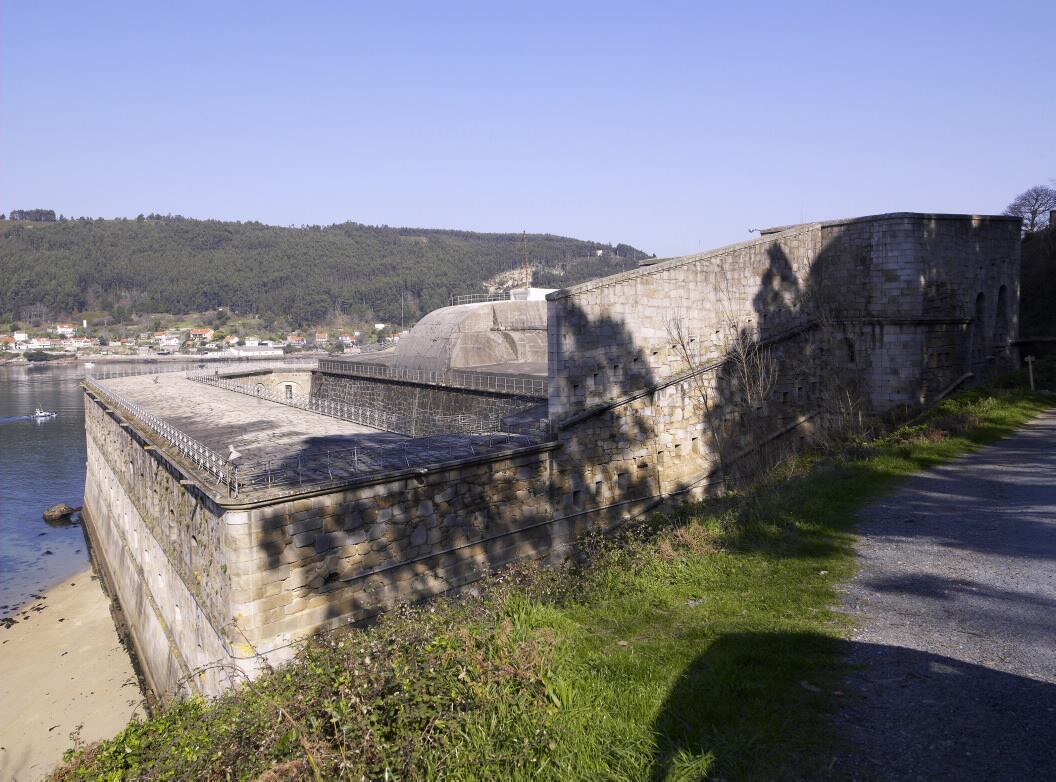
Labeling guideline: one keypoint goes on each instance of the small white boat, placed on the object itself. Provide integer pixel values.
(41, 415)
(89, 365)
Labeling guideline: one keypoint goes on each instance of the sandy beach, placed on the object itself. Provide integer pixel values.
(66, 679)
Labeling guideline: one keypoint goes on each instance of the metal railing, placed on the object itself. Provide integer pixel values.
(306, 467)
(475, 381)
(364, 416)
(376, 417)
(240, 365)
(199, 455)
(345, 464)
(374, 347)
(107, 373)
(478, 298)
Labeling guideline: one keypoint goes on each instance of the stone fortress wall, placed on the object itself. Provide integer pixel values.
(895, 308)
(892, 309)
(292, 382)
(925, 272)
(213, 589)
(161, 546)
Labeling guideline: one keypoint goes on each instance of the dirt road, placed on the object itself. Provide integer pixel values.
(956, 600)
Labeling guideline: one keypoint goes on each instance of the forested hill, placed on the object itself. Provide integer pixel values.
(301, 275)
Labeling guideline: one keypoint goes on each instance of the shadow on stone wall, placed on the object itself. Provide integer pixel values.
(356, 552)
(608, 456)
(1038, 291)
(435, 532)
(786, 363)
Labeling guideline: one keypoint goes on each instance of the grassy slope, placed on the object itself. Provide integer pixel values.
(706, 644)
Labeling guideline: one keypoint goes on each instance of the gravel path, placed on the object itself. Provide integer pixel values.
(955, 654)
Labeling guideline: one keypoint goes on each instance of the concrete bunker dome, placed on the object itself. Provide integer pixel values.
(476, 335)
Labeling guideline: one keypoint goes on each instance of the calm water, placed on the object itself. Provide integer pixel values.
(41, 463)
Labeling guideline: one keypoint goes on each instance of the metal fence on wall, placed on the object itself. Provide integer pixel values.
(344, 464)
(198, 454)
(478, 298)
(536, 387)
(364, 416)
(305, 467)
(137, 368)
(375, 417)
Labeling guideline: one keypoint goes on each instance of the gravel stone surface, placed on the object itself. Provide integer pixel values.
(955, 657)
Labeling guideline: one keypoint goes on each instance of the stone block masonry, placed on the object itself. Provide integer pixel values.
(924, 274)
(320, 561)
(160, 544)
(212, 589)
(648, 374)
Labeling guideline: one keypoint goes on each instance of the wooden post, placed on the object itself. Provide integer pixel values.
(1029, 361)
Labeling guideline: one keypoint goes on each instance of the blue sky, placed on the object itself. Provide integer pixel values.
(671, 126)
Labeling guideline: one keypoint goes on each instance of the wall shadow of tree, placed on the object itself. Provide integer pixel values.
(762, 383)
(584, 475)
(798, 325)
(491, 524)
(742, 710)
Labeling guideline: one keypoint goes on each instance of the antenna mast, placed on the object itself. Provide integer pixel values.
(527, 276)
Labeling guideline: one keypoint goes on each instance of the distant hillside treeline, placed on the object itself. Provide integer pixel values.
(302, 275)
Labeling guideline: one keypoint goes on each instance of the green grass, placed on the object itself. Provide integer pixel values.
(704, 644)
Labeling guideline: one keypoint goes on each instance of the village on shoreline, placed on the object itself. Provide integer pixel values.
(67, 342)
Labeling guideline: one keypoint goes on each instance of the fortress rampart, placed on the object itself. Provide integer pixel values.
(943, 287)
(651, 398)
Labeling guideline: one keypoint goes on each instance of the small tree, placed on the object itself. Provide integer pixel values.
(1033, 207)
(729, 391)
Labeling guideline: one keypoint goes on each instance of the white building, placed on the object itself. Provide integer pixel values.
(530, 294)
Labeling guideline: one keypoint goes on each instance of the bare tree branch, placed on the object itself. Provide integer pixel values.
(1033, 207)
